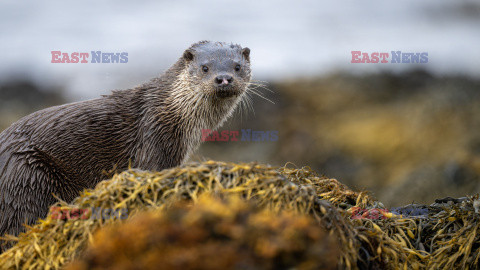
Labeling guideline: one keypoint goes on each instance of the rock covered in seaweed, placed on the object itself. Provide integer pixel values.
(442, 239)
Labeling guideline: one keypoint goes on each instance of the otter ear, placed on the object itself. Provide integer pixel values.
(188, 55)
(246, 53)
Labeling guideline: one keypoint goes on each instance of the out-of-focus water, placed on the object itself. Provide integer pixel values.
(287, 38)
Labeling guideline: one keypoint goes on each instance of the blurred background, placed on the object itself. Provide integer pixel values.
(405, 132)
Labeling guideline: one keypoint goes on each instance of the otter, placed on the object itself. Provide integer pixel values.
(59, 151)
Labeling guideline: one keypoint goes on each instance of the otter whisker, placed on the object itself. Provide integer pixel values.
(247, 101)
(255, 91)
(261, 84)
(259, 88)
(242, 108)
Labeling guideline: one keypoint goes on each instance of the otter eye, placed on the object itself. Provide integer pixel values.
(237, 68)
(205, 69)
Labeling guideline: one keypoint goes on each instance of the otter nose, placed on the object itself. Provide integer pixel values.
(223, 80)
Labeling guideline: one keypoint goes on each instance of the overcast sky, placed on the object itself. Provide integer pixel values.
(287, 38)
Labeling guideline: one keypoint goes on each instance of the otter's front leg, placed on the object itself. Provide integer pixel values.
(157, 155)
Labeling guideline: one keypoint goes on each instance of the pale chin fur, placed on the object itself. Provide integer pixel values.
(208, 112)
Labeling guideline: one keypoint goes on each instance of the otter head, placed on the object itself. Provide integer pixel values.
(207, 84)
(220, 70)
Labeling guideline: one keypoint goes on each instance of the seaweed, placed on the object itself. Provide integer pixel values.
(446, 238)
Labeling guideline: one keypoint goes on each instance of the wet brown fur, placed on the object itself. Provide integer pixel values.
(65, 149)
